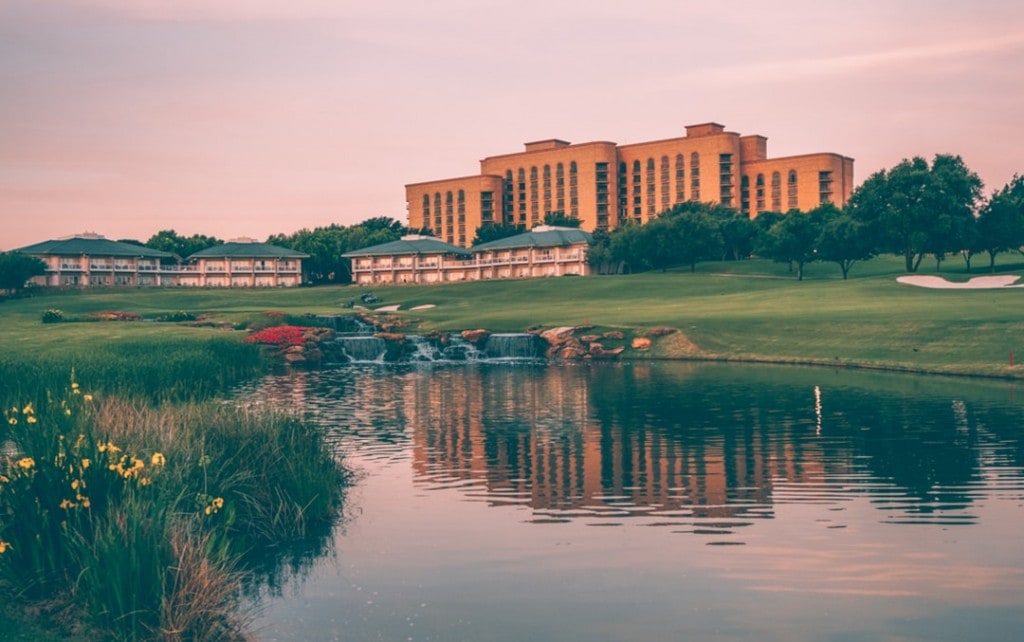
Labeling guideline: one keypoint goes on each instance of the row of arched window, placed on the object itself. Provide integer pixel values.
(538, 196)
(442, 223)
(760, 202)
(654, 175)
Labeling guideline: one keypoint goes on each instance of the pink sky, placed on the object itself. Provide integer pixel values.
(255, 117)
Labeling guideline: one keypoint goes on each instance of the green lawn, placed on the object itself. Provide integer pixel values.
(751, 310)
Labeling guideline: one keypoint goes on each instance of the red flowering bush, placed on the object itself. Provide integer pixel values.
(282, 336)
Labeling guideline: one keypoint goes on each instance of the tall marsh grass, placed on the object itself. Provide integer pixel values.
(170, 370)
(139, 520)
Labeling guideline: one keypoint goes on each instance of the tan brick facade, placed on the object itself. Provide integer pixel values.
(604, 184)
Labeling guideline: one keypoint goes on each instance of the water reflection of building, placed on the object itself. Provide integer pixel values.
(547, 441)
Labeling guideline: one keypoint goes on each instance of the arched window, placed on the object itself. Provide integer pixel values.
(574, 203)
(560, 187)
(547, 189)
(533, 194)
(694, 176)
(666, 185)
(680, 179)
(776, 192)
(791, 190)
(759, 192)
(638, 209)
(651, 187)
(521, 194)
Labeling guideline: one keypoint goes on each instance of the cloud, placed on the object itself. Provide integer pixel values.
(806, 68)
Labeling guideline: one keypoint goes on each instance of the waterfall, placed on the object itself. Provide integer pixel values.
(362, 349)
(513, 346)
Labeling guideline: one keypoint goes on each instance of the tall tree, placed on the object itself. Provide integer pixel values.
(695, 236)
(488, 233)
(794, 238)
(17, 268)
(325, 245)
(916, 208)
(561, 219)
(843, 240)
(183, 246)
(1001, 221)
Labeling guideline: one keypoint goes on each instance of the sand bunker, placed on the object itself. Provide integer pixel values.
(977, 283)
(424, 307)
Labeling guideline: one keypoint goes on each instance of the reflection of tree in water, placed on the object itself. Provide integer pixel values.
(703, 439)
(763, 430)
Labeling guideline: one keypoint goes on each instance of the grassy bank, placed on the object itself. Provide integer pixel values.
(749, 310)
(133, 507)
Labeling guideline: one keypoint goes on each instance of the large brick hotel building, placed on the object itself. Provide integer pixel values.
(604, 184)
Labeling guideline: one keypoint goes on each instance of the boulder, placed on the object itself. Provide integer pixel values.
(558, 336)
(642, 343)
(613, 334)
(476, 337)
(590, 338)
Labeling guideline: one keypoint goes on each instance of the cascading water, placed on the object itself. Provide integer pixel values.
(513, 346)
(355, 342)
(362, 349)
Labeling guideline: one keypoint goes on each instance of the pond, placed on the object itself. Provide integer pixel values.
(660, 501)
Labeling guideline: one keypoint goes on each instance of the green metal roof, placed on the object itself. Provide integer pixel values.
(539, 237)
(248, 251)
(412, 244)
(93, 246)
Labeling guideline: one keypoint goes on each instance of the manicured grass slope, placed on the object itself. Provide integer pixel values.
(750, 310)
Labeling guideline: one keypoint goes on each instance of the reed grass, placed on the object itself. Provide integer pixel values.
(141, 518)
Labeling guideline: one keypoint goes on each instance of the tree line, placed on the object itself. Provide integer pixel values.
(914, 210)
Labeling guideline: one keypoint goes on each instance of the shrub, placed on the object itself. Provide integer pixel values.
(282, 336)
(176, 317)
(53, 315)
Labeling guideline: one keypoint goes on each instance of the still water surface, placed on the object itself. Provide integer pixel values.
(664, 501)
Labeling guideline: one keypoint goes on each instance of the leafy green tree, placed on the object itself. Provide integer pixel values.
(695, 236)
(16, 269)
(843, 240)
(561, 219)
(1001, 221)
(915, 209)
(794, 238)
(325, 246)
(738, 232)
(488, 233)
(183, 246)
(383, 223)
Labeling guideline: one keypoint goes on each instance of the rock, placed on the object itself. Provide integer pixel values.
(606, 354)
(571, 352)
(660, 331)
(558, 336)
(475, 336)
(642, 343)
(590, 338)
(393, 337)
(613, 334)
